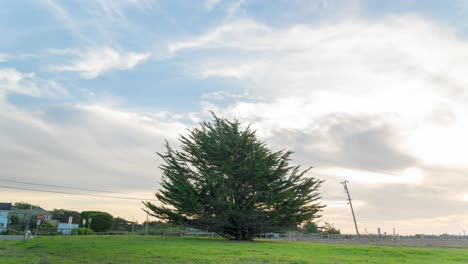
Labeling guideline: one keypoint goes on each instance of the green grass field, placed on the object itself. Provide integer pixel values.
(140, 249)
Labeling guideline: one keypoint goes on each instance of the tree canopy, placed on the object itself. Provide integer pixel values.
(24, 206)
(101, 221)
(225, 180)
(62, 215)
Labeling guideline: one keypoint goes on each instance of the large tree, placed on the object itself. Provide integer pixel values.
(101, 221)
(225, 180)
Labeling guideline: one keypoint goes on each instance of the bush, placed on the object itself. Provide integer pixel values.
(82, 231)
(101, 221)
(55, 233)
(8, 232)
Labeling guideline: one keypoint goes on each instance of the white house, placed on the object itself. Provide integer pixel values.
(65, 229)
(5, 208)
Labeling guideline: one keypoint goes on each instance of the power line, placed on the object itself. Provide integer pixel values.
(81, 194)
(71, 188)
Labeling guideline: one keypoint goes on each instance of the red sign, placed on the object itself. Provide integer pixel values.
(40, 217)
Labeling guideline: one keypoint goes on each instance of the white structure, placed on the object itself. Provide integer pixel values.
(5, 208)
(65, 229)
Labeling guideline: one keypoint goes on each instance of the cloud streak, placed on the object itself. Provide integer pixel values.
(91, 63)
(16, 82)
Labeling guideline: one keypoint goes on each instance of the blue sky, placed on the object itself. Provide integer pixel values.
(371, 91)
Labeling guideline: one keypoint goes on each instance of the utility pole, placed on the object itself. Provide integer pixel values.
(345, 185)
(26, 234)
(146, 228)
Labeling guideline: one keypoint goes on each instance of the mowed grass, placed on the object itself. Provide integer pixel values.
(140, 249)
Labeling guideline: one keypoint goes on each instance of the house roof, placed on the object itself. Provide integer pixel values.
(5, 206)
(33, 211)
(65, 226)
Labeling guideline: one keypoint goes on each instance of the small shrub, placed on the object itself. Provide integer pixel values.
(82, 231)
(56, 233)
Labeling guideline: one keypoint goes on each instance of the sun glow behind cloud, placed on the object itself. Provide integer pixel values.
(408, 176)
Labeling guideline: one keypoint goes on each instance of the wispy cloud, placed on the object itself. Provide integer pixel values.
(14, 81)
(118, 7)
(3, 57)
(210, 4)
(407, 176)
(93, 62)
(96, 22)
(66, 19)
(229, 35)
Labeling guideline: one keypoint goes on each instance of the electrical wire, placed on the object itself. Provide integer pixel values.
(72, 193)
(71, 188)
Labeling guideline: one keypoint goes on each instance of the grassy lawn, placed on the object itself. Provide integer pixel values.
(139, 249)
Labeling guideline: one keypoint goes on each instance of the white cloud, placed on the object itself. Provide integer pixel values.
(382, 103)
(210, 4)
(408, 176)
(100, 21)
(94, 62)
(83, 145)
(408, 71)
(220, 37)
(13, 81)
(3, 57)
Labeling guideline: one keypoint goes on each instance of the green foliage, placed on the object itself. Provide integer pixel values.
(19, 224)
(24, 206)
(82, 231)
(14, 220)
(121, 224)
(47, 225)
(329, 229)
(225, 180)
(158, 226)
(62, 215)
(101, 222)
(310, 228)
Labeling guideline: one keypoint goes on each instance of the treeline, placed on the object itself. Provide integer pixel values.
(105, 222)
(101, 221)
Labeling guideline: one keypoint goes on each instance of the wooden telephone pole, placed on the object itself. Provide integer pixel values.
(345, 185)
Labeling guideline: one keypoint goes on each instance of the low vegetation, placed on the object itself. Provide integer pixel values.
(141, 249)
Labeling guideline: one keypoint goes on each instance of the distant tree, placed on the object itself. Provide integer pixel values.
(329, 229)
(120, 224)
(159, 226)
(227, 181)
(310, 228)
(24, 206)
(101, 222)
(62, 215)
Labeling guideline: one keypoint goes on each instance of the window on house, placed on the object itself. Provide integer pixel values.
(20, 215)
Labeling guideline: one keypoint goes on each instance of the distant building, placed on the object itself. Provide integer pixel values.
(65, 229)
(23, 213)
(5, 208)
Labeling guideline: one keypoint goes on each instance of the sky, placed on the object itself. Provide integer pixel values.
(374, 92)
